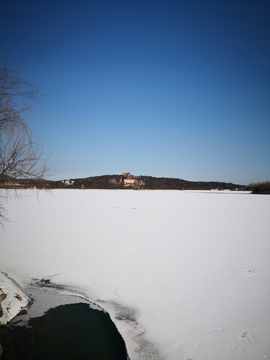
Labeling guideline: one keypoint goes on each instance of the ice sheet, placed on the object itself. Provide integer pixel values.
(184, 275)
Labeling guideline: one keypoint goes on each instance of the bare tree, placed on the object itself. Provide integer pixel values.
(20, 149)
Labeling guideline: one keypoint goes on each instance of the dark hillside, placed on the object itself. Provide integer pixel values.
(154, 183)
(180, 184)
(100, 182)
(140, 182)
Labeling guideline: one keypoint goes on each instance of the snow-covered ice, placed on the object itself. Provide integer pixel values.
(184, 275)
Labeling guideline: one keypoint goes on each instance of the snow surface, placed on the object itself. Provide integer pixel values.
(184, 275)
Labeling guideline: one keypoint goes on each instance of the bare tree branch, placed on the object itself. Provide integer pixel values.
(20, 149)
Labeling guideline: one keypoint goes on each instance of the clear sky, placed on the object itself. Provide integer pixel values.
(163, 88)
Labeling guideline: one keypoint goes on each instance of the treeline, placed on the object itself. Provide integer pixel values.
(100, 182)
(180, 184)
(260, 187)
(150, 182)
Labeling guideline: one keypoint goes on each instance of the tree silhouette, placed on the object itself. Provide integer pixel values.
(20, 149)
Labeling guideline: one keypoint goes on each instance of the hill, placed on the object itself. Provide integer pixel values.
(126, 181)
(147, 182)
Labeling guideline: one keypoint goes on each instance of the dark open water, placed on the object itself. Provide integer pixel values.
(67, 332)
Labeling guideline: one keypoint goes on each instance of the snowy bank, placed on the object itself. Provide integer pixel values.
(183, 275)
(12, 299)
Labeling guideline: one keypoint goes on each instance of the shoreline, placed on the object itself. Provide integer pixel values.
(13, 301)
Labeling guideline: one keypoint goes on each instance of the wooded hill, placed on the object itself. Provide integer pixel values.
(150, 182)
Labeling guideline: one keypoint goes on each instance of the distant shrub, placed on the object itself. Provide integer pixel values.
(260, 187)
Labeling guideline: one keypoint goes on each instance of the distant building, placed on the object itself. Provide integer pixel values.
(130, 180)
(11, 183)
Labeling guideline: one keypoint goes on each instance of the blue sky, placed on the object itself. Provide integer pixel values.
(162, 88)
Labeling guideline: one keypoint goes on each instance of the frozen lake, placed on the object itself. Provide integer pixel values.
(183, 275)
